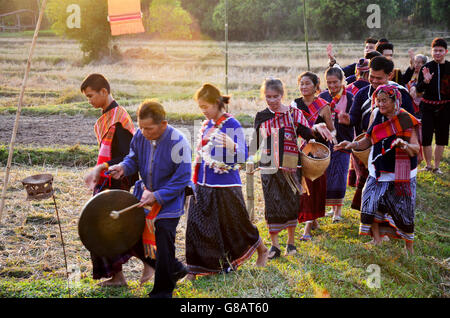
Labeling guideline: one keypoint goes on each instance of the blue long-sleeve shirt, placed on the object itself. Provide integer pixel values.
(206, 175)
(165, 169)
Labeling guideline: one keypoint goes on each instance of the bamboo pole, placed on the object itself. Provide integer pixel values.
(19, 108)
(226, 50)
(306, 33)
(250, 172)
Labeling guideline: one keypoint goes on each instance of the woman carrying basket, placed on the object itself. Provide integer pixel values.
(275, 143)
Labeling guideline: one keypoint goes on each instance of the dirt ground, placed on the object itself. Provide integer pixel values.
(49, 130)
(52, 130)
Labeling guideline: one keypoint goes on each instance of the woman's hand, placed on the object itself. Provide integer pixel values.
(116, 171)
(399, 143)
(344, 145)
(344, 118)
(331, 58)
(224, 141)
(411, 57)
(325, 133)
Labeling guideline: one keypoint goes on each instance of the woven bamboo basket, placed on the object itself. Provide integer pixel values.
(364, 154)
(315, 160)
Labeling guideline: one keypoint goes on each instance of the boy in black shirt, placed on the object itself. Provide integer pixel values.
(434, 86)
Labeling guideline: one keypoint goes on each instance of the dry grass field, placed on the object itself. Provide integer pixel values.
(334, 264)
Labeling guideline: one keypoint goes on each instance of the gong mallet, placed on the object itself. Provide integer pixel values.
(115, 214)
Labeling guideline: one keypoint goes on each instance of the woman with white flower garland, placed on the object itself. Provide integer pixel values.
(219, 234)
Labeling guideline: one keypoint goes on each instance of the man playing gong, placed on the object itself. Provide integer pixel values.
(162, 156)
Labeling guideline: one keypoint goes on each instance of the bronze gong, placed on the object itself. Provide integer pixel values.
(106, 236)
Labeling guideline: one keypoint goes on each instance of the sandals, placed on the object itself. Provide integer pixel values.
(290, 250)
(429, 169)
(306, 238)
(437, 171)
(276, 251)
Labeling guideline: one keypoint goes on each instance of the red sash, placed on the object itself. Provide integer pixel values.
(148, 237)
(314, 110)
(401, 126)
(105, 128)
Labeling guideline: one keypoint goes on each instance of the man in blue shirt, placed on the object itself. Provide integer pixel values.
(162, 156)
(381, 69)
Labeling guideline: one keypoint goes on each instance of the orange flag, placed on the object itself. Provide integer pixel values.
(125, 16)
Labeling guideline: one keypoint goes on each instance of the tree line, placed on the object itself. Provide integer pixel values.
(255, 20)
(249, 20)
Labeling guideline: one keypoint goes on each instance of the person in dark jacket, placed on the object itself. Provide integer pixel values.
(434, 87)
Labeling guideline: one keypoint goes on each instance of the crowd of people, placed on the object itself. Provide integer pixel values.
(367, 106)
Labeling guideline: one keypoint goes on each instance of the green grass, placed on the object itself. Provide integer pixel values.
(334, 264)
(28, 33)
(70, 156)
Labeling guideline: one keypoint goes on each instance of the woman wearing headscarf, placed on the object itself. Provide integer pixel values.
(388, 200)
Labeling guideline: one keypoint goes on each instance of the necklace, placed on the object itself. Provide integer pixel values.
(204, 150)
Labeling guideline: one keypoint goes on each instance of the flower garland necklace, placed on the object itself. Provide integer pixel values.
(204, 151)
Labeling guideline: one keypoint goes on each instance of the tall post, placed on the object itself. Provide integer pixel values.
(306, 32)
(19, 108)
(226, 50)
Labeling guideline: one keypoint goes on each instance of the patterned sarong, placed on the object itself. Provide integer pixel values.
(393, 213)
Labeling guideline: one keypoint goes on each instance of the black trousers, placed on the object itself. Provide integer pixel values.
(166, 264)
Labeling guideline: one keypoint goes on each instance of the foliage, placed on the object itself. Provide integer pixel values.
(254, 20)
(440, 12)
(94, 33)
(169, 20)
(259, 19)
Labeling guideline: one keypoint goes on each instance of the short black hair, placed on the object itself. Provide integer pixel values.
(151, 109)
(371, 55)
(439, 42)
(381, 46)
(371, 40)
(95, 82)
(381, 63)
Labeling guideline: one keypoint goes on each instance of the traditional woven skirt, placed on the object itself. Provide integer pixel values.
(394, 213)
(337, 178)
(281, 203)
(106, 267)
(361, 176)
(219, 234)
(312, 206)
